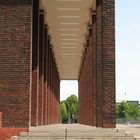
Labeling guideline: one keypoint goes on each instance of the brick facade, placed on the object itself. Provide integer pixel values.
(35, 64)
(15, 49)
(29, 79)
(27, 69)
(97, 94)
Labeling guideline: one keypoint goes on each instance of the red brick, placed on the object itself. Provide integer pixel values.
(15, 48)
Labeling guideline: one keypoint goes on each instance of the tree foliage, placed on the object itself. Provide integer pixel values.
(69, 109)
(127, 110)
(63, 110)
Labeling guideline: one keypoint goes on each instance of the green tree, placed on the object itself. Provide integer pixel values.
(126, 110)
(63, 112)
(69, 109)
(72, 107)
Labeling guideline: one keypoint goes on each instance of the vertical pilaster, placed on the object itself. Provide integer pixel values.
(15, 62)
(35, 67)
(87, 75)
(99, 61)
(41, 59)
(45, 75)
(94, 68)
(48, 86)
(105, 64)
(108, 29)
(90, 77)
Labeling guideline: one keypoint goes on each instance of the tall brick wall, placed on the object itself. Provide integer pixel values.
(97, 76)
(35, 64)
(41, 70)
(99, 65)
(15, 48)
(0, 119)
(29, 80)
(93, 68)
(108, 29)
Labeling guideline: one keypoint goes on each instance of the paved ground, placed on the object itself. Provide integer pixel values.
(135, 129)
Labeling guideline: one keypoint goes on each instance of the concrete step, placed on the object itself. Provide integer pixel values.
(99, 130)
(72, 138)
(74, 132)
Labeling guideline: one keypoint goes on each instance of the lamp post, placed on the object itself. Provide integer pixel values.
(72, 118)
(125, 108)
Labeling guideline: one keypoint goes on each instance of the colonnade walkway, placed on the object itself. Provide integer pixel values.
(74, 132)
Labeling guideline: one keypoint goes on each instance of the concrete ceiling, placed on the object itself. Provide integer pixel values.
(67, 21)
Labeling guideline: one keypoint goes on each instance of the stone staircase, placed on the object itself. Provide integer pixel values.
(73, 132)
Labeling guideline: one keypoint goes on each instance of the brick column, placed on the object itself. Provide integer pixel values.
(50, 114)
(99, 61)
(94, 68)
(87, 92)
(35, 67)
(45, 75)
(90, 77)
(48, 87)
(0, 119)
(15, 61)
(108, 21)
(84, 88)
(41, 59)
(105, 52)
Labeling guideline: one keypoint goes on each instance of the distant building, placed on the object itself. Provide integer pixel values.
(134, 103)
(130, 102)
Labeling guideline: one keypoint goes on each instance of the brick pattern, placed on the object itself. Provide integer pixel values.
(29, 80)
(0, 119)
(93, 43)
(84, 92)
(108, 15)
(97, 94)
(45, 75)
(35, 66)
(99, 64)
(41, 71)
(15, 48)
(47, 82)
(6, 133)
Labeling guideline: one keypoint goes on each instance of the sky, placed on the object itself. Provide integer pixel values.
(127, 54)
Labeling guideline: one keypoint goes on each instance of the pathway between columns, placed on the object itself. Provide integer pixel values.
(74, 132)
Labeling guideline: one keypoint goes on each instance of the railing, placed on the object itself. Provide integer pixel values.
(128, 121)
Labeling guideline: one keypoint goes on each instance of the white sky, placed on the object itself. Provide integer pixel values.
(127, 53)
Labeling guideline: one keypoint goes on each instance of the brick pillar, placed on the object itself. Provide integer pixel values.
(58, 96)
(84, 88)
(105, 51)
(94, 68)
(52, 92)
(108, 21)
(90, 77)
(87, 92)
(50, 113)
(81, 91)
(48, 45)
(99, 44)
(41, 59)
(15, 61)
(48, 88)
(45, 76)
(0, 119)
(35, 67)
